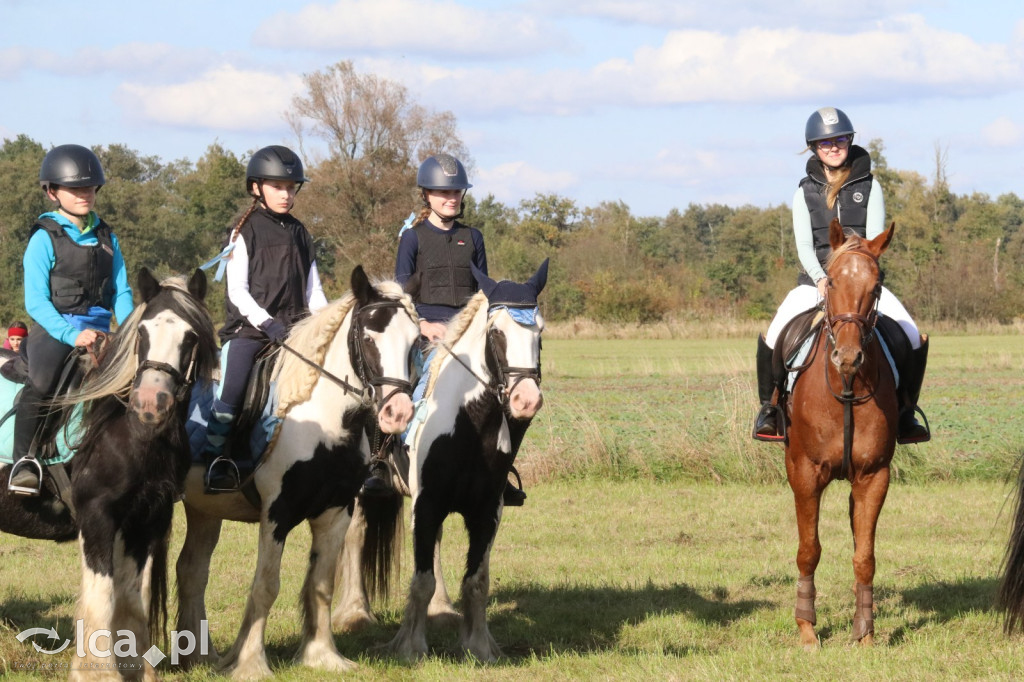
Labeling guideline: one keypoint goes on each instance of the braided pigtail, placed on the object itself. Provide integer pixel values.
(241, 221)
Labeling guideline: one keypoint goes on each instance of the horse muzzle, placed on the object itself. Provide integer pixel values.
(396, 413)
(152, 398)
(526, 399)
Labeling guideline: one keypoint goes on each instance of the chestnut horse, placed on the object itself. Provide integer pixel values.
(843, 414)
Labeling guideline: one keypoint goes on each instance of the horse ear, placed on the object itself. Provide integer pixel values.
(836, 236)
(412, 285)
(540, 278)
(880, 243)
(361, 287)
(148, 286)
(197, 285)
(487, 285)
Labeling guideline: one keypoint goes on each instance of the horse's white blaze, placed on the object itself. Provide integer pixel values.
(152, 398)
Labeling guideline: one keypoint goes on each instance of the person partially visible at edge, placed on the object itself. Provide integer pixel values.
(838, 184)
(75, 284)
(16, 333)
(441, 250)
(272, 282)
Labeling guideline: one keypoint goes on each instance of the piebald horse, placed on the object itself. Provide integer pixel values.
(485, 374)
(312, 471)
(127, 472)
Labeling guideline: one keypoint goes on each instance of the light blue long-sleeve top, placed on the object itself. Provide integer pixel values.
(802, 227)
(39, 260)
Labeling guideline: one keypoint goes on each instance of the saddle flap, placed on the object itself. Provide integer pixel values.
(257, 391)
(794, 335)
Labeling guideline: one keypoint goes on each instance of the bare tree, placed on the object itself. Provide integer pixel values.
(376, 136)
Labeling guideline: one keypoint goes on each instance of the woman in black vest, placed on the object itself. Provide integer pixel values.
(272, 282)
(75, 283)
(838, 184)
(440, 250)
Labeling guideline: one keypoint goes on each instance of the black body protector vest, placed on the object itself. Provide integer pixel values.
(851, 205)
(281, 253)
(82, 275)
(444, 260)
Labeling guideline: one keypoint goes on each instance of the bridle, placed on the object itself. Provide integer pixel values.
(834, 322)
(507, 377)
(183, 380)
(866, 325)
(370, 394)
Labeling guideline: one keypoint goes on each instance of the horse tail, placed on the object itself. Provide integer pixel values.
(1010, 598)
(382, 542)
(158, 590)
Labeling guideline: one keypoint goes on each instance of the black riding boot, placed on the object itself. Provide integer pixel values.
(911, 430)
(766, 426)
(378, 482)
(514, 495)
(25, 471)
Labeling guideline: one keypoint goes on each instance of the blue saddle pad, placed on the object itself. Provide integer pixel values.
(8, 393)
(199, 408)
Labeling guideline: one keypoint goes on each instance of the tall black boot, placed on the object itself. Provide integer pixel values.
(26, 471)
(766, 426)
(911, 430)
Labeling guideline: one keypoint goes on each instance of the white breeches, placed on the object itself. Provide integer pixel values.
(805, 296)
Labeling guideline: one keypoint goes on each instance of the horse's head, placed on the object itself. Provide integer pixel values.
(851, 298)
(514, 329)
(174, 339)
(385, 329)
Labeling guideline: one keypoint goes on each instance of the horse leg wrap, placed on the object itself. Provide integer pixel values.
(864, 617)
(805, 594)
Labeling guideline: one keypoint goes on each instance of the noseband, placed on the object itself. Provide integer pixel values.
(374, 384)
(183, 380)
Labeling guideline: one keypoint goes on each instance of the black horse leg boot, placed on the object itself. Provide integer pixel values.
(766, 425)
(911, 430)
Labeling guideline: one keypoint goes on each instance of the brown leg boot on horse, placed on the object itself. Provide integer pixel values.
(767, 424)
(912, 376)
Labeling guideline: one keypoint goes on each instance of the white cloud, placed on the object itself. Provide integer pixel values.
(155, 60)
(225, 98)
(516, 180)
(1002, 133)
(441, 29)
(905, 59)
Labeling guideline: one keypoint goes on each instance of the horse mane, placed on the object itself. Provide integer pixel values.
(116, 372)
(312, 336)
(456, 328)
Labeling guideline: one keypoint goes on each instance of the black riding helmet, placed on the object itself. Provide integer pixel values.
(274, 163)
(71, 165)
(442, 171)
(826, 123)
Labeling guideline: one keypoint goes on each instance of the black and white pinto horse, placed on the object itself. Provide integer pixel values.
(312, 471)
(127, 472)
(486, 376)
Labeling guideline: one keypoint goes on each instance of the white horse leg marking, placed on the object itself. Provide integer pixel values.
(475, 635)
(202, 532)
(410, 643)
(95, 610)
(353, 610)
(317, 647)
(247, 659)
(441, 611)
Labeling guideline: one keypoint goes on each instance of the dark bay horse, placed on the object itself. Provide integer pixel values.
(312, 471)
(127, 472)
(843, 415)
(485, 375)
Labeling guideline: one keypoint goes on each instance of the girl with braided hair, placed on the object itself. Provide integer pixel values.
(272, 282)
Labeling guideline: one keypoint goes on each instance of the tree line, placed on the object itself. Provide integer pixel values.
(955, 257)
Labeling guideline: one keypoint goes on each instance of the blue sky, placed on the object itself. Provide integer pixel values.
(655, 103)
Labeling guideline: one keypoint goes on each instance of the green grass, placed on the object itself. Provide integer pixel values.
(659, 541)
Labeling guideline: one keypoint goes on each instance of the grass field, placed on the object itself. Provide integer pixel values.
(658, 540)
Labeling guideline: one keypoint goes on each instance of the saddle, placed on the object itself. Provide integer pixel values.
(808, 324)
